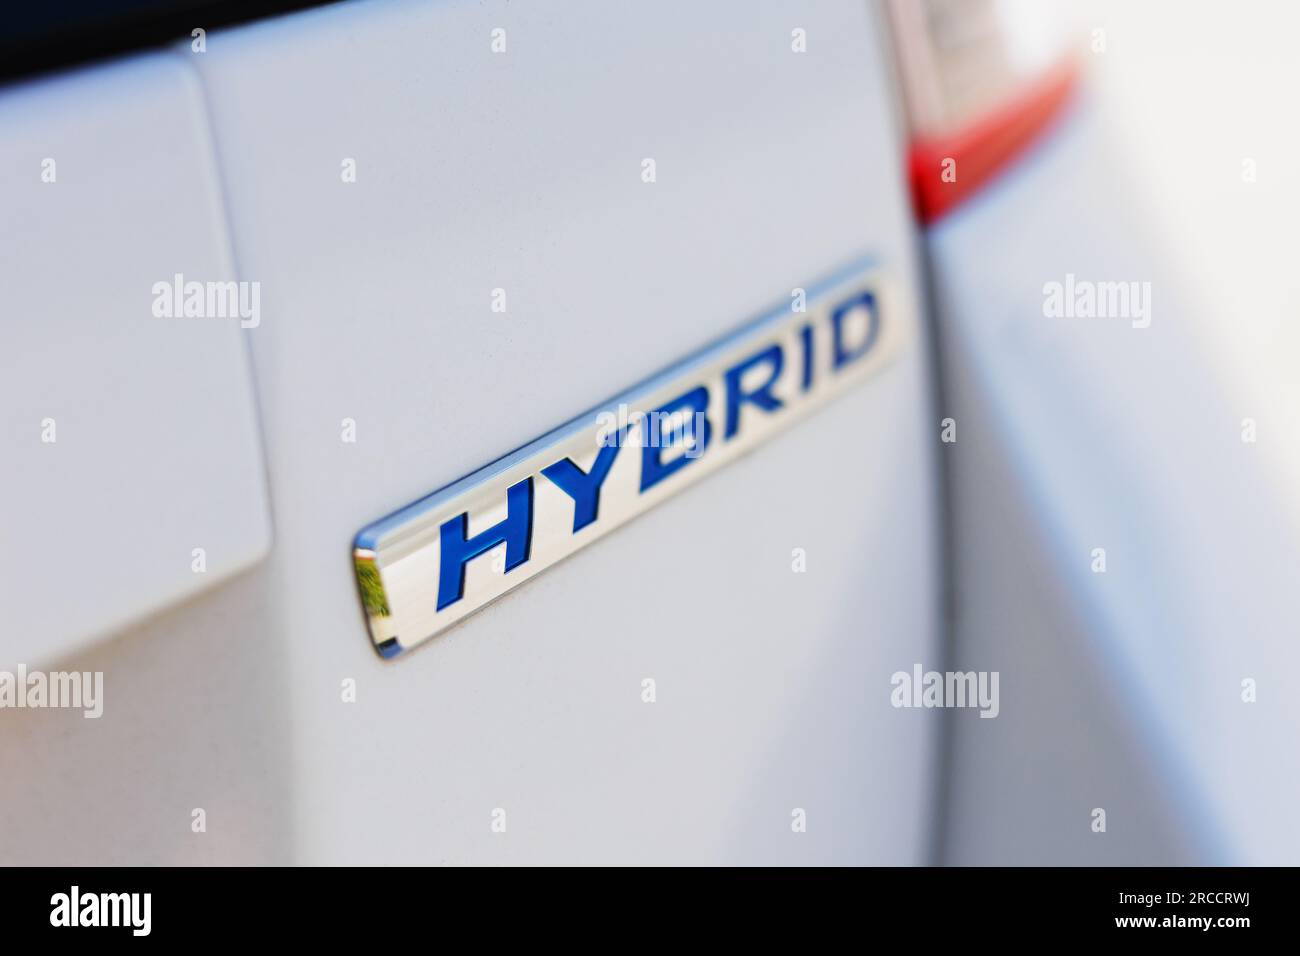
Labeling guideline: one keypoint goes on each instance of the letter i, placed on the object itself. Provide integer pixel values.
(806, 337)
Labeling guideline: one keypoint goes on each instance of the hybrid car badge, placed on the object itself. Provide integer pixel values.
(438, 560)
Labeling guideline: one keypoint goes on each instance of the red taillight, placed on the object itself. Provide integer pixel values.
(981, 78)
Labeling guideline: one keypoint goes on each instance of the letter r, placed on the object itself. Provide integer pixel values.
(762, 396)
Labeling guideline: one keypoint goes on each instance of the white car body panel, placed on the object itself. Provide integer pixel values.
(522, 171)
(1122, 690)
(132, 441)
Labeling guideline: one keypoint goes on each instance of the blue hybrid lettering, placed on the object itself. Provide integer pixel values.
(761, 396)
(584, 486)
(842, 355)
(515, 531)
(653, 468)
(806, 337)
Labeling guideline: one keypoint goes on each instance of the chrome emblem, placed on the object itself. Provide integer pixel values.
(435, 562)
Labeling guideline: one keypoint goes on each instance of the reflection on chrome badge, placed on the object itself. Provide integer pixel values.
(442, 558)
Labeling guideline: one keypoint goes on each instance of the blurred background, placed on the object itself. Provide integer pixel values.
(1178, 449)
(1195, 91)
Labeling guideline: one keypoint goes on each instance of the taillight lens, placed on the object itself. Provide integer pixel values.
(981, 79)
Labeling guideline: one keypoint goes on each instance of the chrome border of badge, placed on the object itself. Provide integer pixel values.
(436, 561)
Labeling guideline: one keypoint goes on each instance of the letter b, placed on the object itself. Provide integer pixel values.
(653, 468)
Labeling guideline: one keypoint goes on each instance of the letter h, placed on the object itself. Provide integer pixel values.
(516, 531)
